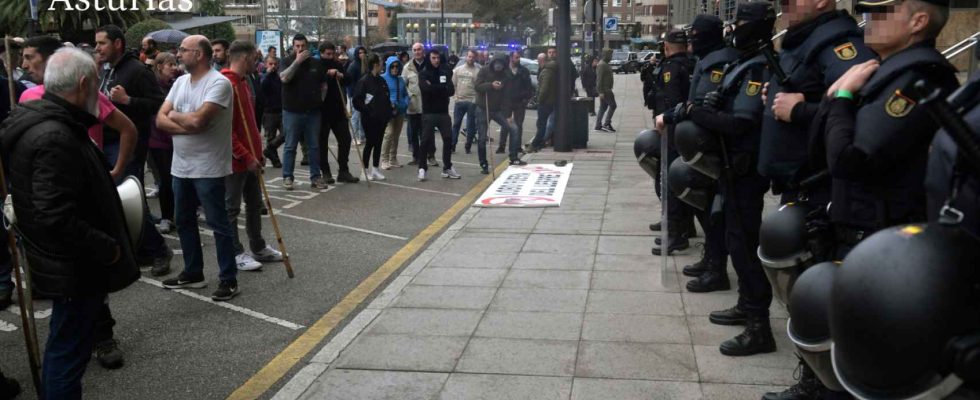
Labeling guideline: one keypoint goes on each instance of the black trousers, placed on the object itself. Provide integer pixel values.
(743, 216)
(431, 122)
(341, 132)
(415, 135)
(162, 159)
(374, 133)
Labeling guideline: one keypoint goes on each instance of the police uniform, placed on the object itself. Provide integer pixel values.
(737, 121)
(814, 55)
(947, 178)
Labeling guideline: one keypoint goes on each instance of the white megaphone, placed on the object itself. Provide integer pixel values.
(133, 201)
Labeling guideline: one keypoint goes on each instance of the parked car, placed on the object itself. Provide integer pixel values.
(625, 62)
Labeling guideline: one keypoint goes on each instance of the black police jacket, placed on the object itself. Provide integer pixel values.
(673, 83)
(69, 214)
(814, 55)
(739, 119)
(709, 72)
(946, 175)
(877, 146)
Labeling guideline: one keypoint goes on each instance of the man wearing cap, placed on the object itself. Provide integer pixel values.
(733, 114)
(672, 82)
(706, 38)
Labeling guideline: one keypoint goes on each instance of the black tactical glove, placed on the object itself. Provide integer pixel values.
(712, 101)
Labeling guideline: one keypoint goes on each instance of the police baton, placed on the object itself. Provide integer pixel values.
(940, 109)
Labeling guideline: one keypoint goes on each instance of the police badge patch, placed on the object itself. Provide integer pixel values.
(898, 105)
(753, 88)
(716, 76)
(666, 77)
(846, 51)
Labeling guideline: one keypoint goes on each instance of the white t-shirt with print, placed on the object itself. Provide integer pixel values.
(206, 154)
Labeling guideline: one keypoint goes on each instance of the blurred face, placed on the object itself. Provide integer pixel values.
(541, 60)
(891, 28)
(33, 63)
(434, 59)
(515, 59)
(107, 50)
(219, 53)
(168, 70)
(417, 52)
(797, 11)
(145, 44)
(395, 69)
(299, 46)
(272, 51)
(552, 54)
(361, 54)
(470, 58)
(328, 54)
(272, 64)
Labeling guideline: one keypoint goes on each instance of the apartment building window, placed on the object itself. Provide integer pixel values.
(617, 3)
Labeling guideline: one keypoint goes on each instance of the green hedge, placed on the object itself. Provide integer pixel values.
(136, 33)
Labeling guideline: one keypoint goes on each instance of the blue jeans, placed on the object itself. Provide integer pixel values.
(210, 194)
(506, 128)
(69, 346)
(306, 126)
(355, 121)
(467, 108)
(544, 116)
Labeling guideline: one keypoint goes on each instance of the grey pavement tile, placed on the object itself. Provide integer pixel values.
(760, 369)
(522, 223)
(530, 325)
(474, 260)
(635, 328)
(341, 384)
(564, 244)
(445, 297)
(519, 357)
(509, 387)
(585, 202)
(475, 243)
(580, 223)
(555, 261)
(556, 300)
(649, 281)
(425, 322)
(632, 192)
(625, 389)
(548, 279)
(631, 245)
(627, 223)
(705, 303)
(629, 302)
(722, 391)
(627, 262)
(651, 361)
(403, 352)
(704, 333)
(460, 277)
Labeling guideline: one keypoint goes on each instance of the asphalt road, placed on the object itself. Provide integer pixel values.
(181, 346)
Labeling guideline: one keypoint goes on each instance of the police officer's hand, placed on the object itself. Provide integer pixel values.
(712, 101)
(659, 122)
(765, 93)
(855, 78)
(783, 103)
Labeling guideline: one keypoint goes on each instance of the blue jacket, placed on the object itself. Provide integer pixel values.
(396, 86)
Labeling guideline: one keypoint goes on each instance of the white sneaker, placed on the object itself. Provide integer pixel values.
(268, 254)
(245, 262)
(421, 175)
(385, 165)
(375, 175)
(451, 173)
(165, 226)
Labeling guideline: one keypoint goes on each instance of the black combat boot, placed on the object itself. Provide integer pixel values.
(731, 316)
(808, 387)
(675, 245)
(757, 338)
(709, 281)
(9, 388)
(655, 227)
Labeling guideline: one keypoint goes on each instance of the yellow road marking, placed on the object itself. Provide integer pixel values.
(272, 372)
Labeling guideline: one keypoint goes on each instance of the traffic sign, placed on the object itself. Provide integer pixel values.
(588, 36)
(611, 24)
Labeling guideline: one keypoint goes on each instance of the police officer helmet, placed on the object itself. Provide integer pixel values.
(808, 325)
(698, 147)
(899, 298)
(783, 247)
(646, 148)
(706, 34)
(757, 21)
(690, 185)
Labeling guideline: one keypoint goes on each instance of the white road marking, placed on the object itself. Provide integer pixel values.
(409, 156)
(7, 327)
(243, 310)
(416, 188)
(356, 229)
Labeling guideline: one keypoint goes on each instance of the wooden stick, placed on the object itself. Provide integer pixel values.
(493, 166)
(24, 298)
(265, 192)
(350, 129)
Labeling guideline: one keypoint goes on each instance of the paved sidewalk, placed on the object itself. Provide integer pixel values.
(562, 303)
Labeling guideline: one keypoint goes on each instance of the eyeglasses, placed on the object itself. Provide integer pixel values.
(184, 49)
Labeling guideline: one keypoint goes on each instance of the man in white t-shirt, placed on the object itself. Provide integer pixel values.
(198, 112)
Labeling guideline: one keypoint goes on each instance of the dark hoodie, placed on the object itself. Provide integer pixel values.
(354, 70)
(486, 97)
(69, 213)
(145, 94)
(379, 108)
(436, 85)
(333, 103)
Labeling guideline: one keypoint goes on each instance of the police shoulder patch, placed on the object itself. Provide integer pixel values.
(898, 105)
(846, 51)
(666, 77)
(716, 76)
(753, 88)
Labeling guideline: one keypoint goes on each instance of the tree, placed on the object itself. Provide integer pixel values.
(136, 33)
(73, 25)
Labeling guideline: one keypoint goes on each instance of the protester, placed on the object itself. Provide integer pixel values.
(607, 99)
(70, 218)
(411, 75)
(464, 77)
(371, 98)
(148, 51)
(491, 105)
(518, 92)
(342, 55)
(334, 117)
(547, 100)
(398, 95)
(220, 48)
(436, 85)
(588, 77)
(247, 162)
(162, 150)
(301, 77)
(272, 115)
(404, 58)
(6, 267)
(198, 112)
(355, 71)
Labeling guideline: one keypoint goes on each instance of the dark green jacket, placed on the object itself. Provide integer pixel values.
(548, 83)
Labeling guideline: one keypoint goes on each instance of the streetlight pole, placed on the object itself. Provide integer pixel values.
(360, 35)
(442, 21)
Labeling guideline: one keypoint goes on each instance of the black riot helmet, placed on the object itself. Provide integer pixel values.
(753, 29)
(646, 148)
(898, 299)
(783, 247)
(690, 185)
(808, 326)
(706, 34)
(698, 147)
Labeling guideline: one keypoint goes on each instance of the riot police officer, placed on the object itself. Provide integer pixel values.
(705, 37)
(672, 86)
(734, 114)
